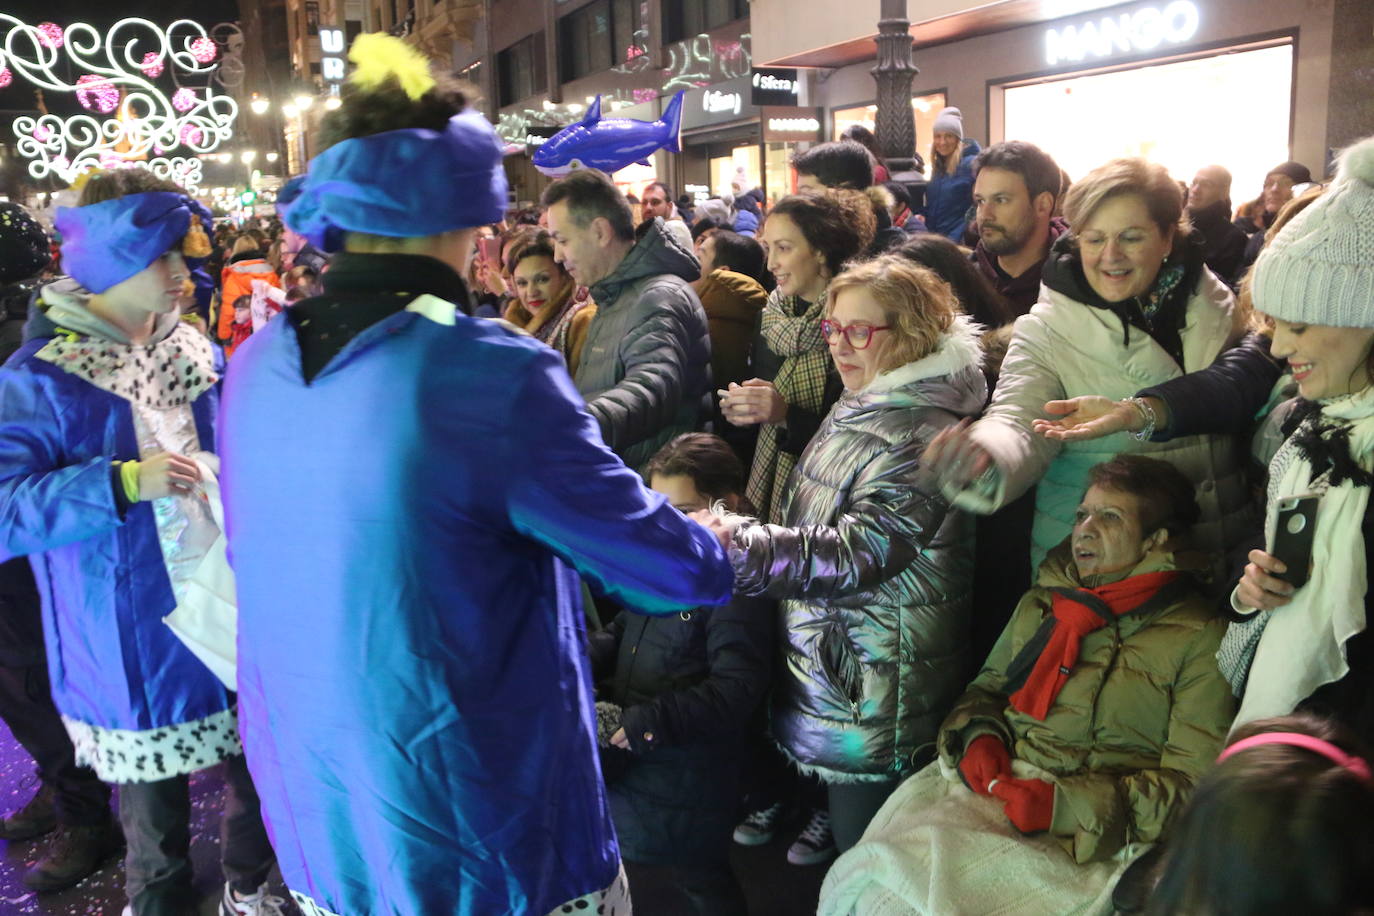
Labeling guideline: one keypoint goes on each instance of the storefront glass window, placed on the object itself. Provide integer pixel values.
(1236, 115)
(924, 107)
(777, 171)
(742, 164)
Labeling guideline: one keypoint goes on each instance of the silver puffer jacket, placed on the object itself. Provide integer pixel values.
(875, 572)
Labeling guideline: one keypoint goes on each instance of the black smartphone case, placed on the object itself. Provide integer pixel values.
(1293, 532)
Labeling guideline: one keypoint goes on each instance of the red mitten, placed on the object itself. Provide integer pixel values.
(985, 759)
(1029, 803)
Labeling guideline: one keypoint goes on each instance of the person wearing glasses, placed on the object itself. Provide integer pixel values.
(1127, 303)
(873, 569)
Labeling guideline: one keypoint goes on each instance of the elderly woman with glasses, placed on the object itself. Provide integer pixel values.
(873, 570)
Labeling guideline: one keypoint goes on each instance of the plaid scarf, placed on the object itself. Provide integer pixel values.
(791, 327)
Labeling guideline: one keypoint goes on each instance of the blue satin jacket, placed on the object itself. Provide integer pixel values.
(414, 699)
(113, 662)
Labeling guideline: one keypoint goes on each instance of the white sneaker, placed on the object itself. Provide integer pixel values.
(259, 903)
(758, 827)
(816, 844)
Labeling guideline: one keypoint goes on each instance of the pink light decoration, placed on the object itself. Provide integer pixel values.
(152, 65)
(204, 50)
(645, 95)
(184, 99)
(633, 51)
(42, 133)
(6, 77)
(191, 135)
(62, 162)
(50, 35)
(96, 93)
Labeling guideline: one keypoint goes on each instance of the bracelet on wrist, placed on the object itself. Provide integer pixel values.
(1147, 415)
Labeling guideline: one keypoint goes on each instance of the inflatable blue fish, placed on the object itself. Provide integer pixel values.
(610, 144)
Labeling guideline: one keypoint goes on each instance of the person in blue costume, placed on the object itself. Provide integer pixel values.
(410, 494)
(106, 430)
(949, 195)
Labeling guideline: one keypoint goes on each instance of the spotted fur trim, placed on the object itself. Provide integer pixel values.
(121, 755)
(613, 900)
(171, 373)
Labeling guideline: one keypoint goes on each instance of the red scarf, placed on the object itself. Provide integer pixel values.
(1075, 614)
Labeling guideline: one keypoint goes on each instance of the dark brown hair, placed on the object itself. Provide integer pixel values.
(977, 296)
(839, 223)
(1274, 829)
(1165, 496)
(715, 469)
(365, 112)
(590, 194)
(535, 245)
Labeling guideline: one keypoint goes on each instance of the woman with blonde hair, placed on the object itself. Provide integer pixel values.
(873, 570)
(949, 195)
(1127, 303)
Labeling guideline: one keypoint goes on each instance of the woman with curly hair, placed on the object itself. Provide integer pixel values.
(809, 238)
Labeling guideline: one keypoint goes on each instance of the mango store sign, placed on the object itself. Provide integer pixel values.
(1143, 30)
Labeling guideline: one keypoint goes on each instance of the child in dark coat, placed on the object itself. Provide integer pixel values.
(679, 694)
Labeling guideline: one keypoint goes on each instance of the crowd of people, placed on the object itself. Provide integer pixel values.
(1012, 546)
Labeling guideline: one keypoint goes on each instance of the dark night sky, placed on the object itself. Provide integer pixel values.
(19, 94)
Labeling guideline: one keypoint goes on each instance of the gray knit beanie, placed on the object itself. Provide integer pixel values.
(1319, 269)
(950, 121)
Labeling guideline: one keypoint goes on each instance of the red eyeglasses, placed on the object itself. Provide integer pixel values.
(859, 334)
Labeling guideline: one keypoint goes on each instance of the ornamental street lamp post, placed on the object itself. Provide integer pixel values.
(896, 125)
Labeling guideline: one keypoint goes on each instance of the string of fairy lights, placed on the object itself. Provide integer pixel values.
(130, 121)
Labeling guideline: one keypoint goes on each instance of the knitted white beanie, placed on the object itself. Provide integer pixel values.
(1319, 269)
(949, 121)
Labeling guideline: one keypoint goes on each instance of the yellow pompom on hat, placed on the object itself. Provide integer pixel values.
(379, 57)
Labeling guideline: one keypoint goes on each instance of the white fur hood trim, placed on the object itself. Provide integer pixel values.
(958, 350)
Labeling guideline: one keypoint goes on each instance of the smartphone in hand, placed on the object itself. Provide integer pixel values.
(491, 252)
(1294, 527)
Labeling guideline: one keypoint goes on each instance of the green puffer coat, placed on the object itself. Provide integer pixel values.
(1143, 715)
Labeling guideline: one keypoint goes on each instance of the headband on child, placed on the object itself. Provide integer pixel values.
(1328, 750)
(107, 243)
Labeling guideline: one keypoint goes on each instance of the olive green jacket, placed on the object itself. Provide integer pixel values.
(1141, 717)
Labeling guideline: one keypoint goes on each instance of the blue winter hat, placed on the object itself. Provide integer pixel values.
(400, 183)
(107, 243)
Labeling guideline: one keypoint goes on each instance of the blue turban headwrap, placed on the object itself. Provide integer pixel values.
(400, 183)
(107, 243)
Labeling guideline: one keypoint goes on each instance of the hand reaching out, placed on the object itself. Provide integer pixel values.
(953, 459)
(714, 524)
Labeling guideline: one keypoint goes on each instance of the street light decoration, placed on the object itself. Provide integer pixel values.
(116, 68)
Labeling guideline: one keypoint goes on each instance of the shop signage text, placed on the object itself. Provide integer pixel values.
(791, 125)
(1143, 30)
(715, 102)
(719, 104)
(331, 55)
(774, 87)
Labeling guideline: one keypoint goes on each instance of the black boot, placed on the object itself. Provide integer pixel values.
(36, 818)
(75, 853)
